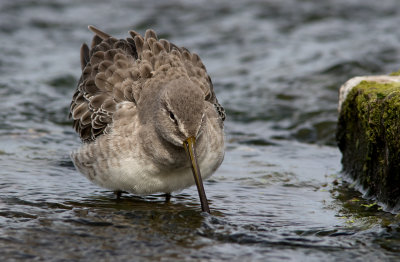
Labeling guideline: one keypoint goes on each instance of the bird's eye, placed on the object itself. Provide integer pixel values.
(172, 116)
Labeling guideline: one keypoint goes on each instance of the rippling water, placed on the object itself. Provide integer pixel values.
(279, 196)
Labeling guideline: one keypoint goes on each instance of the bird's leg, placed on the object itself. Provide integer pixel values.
(118, 194)
(167, 197)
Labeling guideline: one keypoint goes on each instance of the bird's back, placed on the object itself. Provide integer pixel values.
(116, 71)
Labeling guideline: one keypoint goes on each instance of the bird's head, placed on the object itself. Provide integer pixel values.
(180, 119)
(180, 112)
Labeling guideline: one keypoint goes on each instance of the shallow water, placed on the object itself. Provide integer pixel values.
(279, 195)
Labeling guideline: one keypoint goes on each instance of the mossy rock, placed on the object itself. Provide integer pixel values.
(368, 135)
(395, 73)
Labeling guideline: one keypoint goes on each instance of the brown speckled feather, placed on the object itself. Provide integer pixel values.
(114, 71)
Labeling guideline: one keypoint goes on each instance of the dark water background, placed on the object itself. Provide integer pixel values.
(279, 195)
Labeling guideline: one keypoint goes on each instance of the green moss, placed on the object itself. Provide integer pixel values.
(369, 138)
(395, 73)
(378, 104)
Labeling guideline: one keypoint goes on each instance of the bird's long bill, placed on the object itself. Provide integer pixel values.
(189, 145)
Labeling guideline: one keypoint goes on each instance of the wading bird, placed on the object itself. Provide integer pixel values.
(147, 115)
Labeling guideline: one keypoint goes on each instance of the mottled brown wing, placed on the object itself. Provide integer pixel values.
(213, 99)
(114, 71)
(220, 110)
(104, 68)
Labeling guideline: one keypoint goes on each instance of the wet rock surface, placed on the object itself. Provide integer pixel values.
(369, 135)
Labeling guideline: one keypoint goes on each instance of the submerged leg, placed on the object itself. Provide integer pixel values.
(167, 197)
(118, 194)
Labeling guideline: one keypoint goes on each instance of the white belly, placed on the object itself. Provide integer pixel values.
(126, 172)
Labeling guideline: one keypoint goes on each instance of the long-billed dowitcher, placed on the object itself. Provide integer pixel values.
(147, 114)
